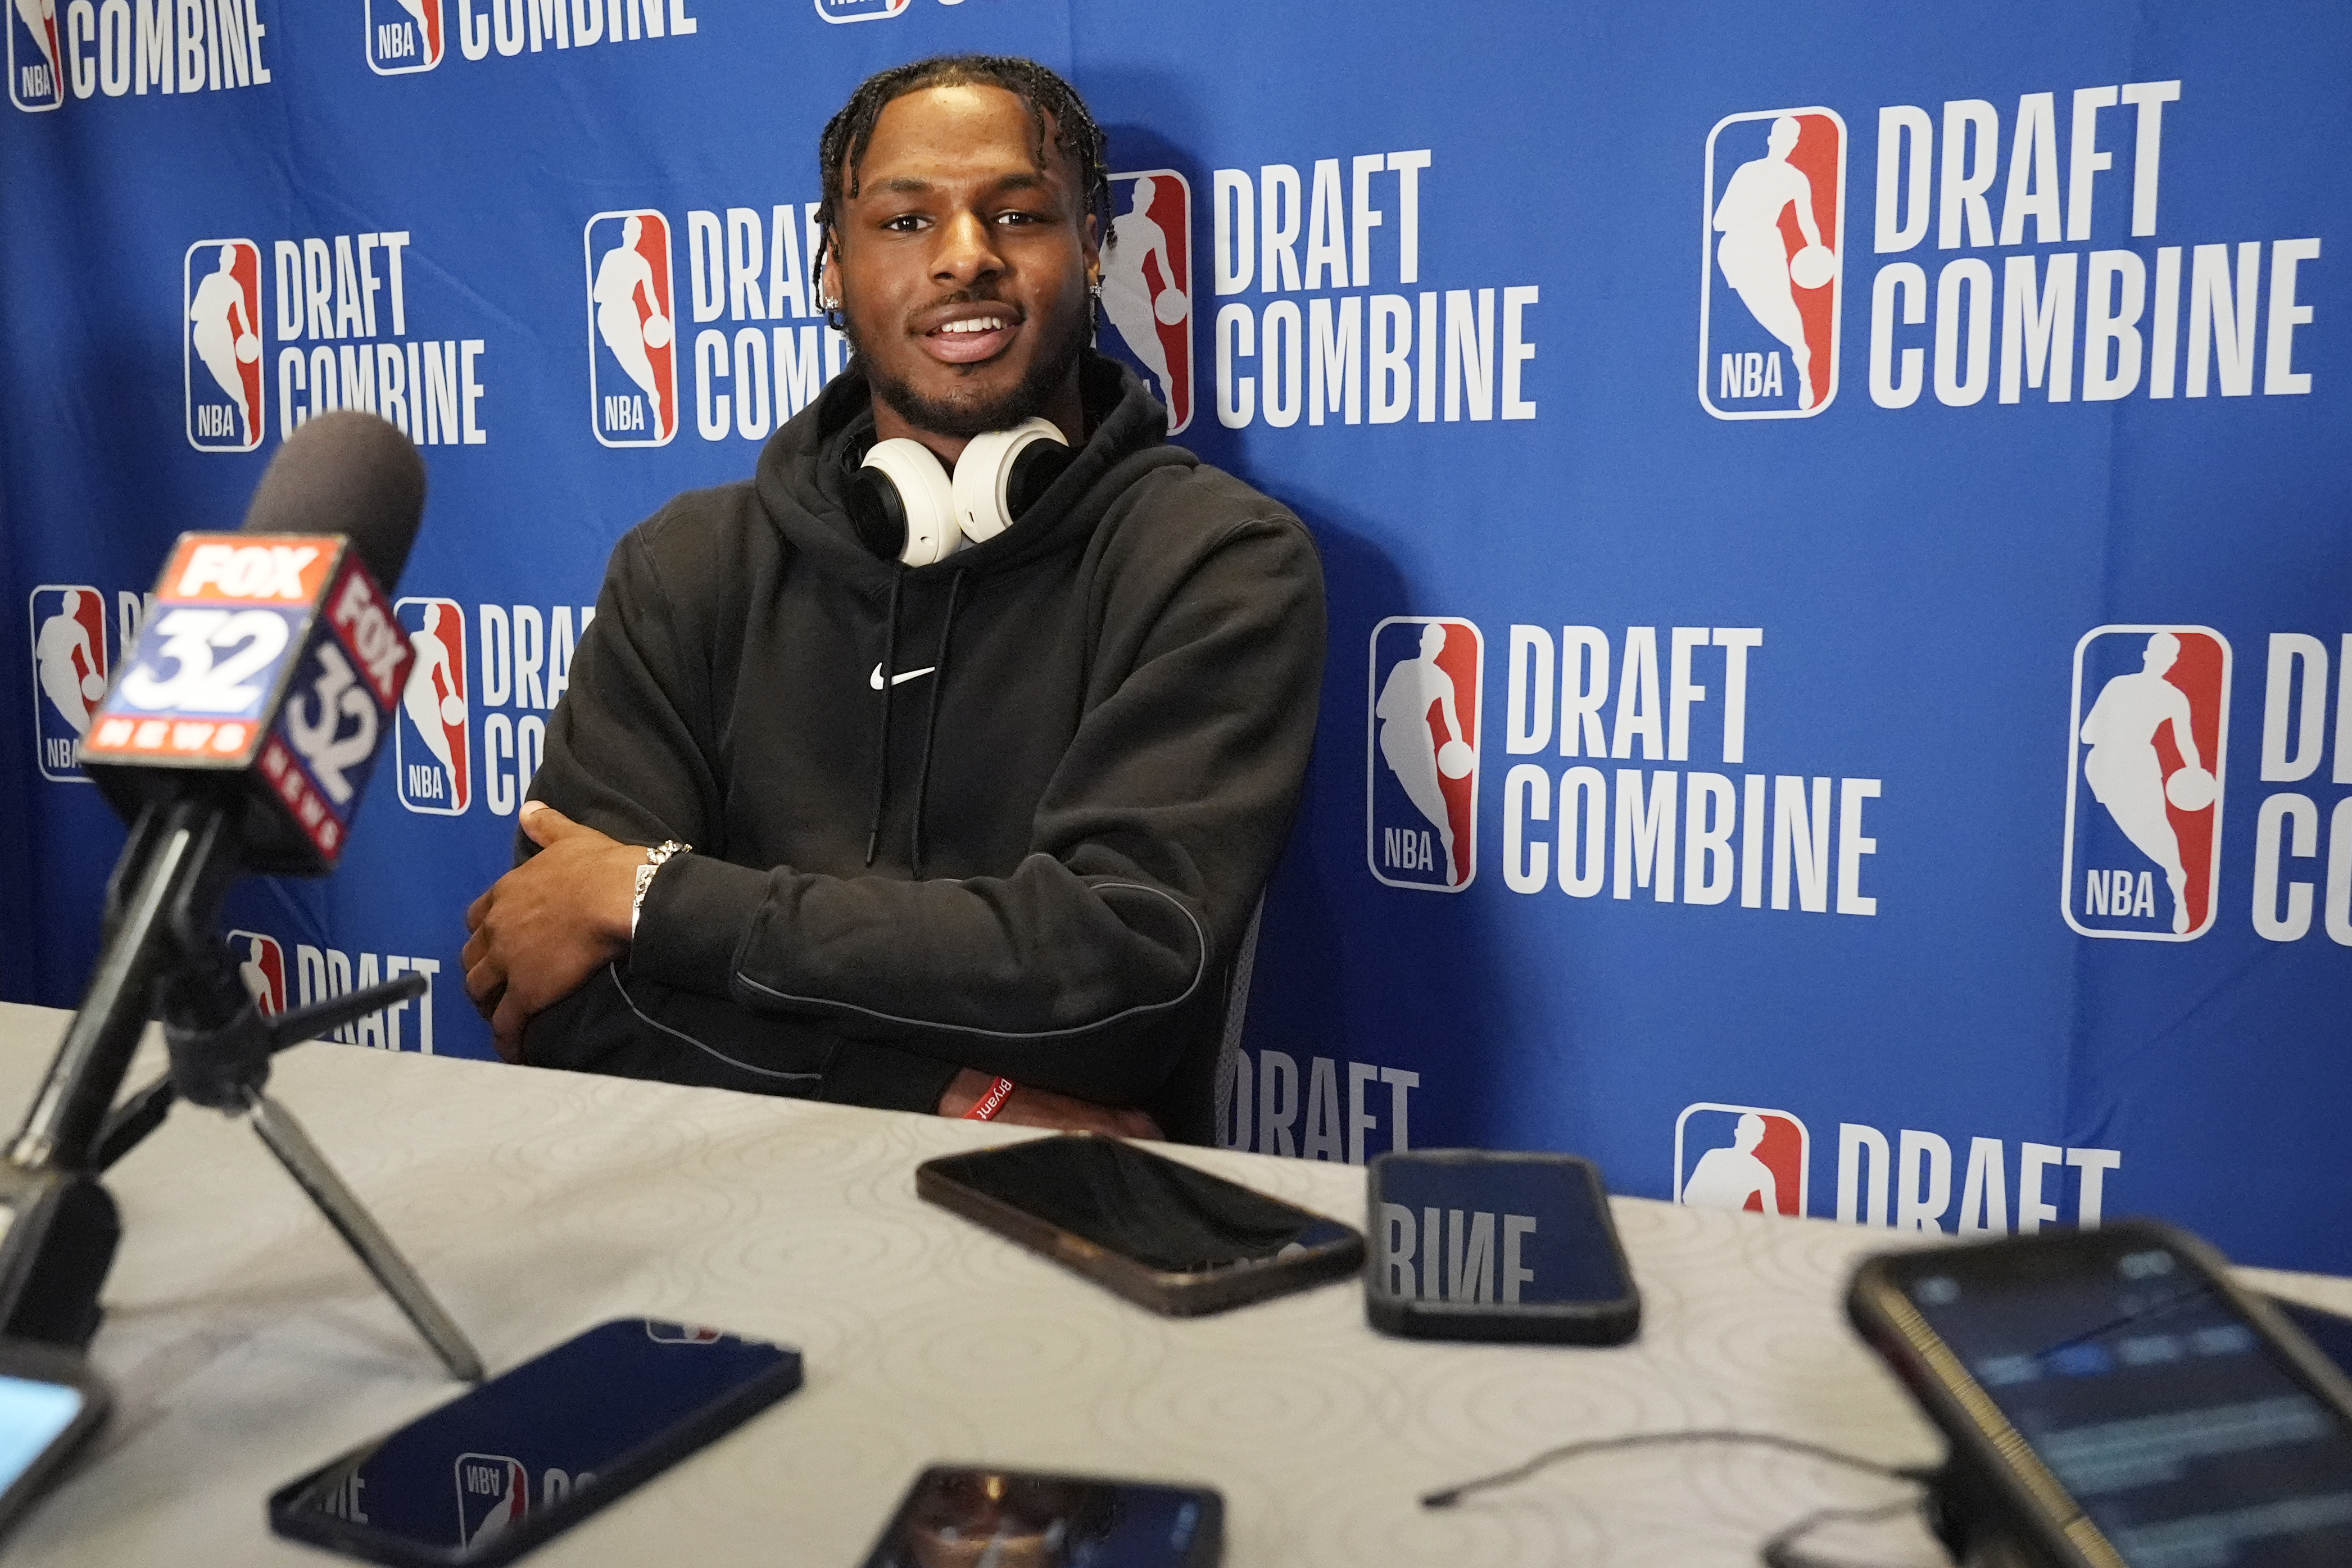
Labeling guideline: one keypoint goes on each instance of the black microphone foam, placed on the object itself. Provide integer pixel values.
(346, 472)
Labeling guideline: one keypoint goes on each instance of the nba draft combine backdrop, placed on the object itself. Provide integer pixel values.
(1840, 693)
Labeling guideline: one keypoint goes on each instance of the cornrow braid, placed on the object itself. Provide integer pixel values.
(841, 148)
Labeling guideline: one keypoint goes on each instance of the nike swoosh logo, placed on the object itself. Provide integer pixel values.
(874, 679)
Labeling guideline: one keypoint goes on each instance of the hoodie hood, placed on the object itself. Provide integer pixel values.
(803, 470)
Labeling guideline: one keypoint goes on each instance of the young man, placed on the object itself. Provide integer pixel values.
(983, 836)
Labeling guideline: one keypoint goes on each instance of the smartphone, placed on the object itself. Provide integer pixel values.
(2113, 1398)
(522, 1458)
(1470, 1244)
(2330, 1331)
(1162, 1234)
(50, 1403)
(966, 1516)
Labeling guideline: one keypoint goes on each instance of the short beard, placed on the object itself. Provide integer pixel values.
(962, 418)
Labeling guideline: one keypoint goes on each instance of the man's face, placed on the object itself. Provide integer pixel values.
(962, 263)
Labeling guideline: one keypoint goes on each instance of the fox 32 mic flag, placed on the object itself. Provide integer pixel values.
(1836, 523)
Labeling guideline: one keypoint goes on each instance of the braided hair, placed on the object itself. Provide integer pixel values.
(841, 147)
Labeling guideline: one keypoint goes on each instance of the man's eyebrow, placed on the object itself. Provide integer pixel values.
(907, 185)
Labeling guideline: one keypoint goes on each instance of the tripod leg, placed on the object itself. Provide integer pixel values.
(310, 1168)
(130, 1122)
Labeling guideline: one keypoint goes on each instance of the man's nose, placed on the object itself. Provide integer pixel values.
(966, 250)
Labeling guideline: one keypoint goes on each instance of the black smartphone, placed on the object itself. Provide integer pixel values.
(520, 1460)
(1162, 1234)
(50, 1403)
(1470, 1244)
(2112, 1397)
(962, 1517)
(2331, 1332)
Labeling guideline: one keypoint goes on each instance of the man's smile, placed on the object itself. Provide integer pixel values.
(968, 333)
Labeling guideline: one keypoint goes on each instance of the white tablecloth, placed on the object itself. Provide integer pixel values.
(247, 1346)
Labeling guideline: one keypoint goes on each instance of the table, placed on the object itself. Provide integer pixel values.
(245, 1344)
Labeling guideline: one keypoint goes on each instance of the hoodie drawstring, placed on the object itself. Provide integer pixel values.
(890, 669)
(932, 719)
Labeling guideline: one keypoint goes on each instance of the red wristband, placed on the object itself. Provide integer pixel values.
(985, 1107)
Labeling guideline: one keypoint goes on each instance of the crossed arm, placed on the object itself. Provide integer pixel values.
(542, 928)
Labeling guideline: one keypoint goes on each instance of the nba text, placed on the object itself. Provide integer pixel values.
(1353, 358)
(1916, 1171)
(1451, 1254)
(747, 265)
(1329, 1132)
(347, 295)
(1628, 828)
(2106, 323)
(135, 47)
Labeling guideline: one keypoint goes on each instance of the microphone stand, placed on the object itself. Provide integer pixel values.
(58, 1227)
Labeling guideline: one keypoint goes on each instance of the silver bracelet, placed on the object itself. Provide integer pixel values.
(655, 859)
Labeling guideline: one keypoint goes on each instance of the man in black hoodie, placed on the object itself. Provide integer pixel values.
(978, 837)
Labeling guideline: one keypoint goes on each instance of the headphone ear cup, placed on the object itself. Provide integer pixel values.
(907, 503)
(988, 501)
(1035, 468)
(876, 512)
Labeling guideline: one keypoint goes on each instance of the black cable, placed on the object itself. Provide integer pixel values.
(1449, 1496)
(1779, 1552)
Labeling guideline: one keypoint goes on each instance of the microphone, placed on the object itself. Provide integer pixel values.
(238, 736)
(271, 662)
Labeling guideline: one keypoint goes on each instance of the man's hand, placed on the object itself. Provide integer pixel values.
(1026, 1107)
(548, 924)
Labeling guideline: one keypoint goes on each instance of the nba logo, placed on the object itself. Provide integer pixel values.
(1770, 264)
(493, 1495)
(429, 741)
(402, 35)
(2145, 746)
(860, 10)
(663, 1333)
(1421, 761)
(35, 83)
(222, 344)
(69, 673)
(1742, 1157)
(1147, 284)
(632, 330)
(261, 965)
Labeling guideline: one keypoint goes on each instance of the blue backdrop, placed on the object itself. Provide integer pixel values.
(1745, 446)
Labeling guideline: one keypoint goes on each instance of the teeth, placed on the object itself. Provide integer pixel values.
(982, 324)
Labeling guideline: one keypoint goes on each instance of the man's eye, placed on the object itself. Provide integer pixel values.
(1017, 215)
(905, 223)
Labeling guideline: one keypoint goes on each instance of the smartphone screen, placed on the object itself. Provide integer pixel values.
(1526, 1232)
(512, 1462)
(960, 1518)
(1162, 1214)
(33, 1417)
(2179, 1428)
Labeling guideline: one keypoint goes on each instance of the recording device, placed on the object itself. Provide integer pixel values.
(1163, 1234)
(238, 737)
(2114, 1400)
(1473, 1245)
(520, 1459)
(50, 1405)
(962, 1515)
(908, 508)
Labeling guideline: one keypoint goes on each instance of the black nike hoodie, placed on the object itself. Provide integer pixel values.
(1011, 811)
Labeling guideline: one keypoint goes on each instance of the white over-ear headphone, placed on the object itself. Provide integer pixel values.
(908, 508)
